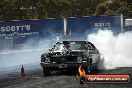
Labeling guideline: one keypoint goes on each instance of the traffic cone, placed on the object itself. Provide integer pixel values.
(22, 72)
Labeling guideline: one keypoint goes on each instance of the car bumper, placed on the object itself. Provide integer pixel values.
(63, 65)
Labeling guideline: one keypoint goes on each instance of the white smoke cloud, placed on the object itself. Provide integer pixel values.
(26, 54)
(116, 50)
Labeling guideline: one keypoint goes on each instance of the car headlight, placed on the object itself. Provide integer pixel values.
(79, 59)
(47, 60)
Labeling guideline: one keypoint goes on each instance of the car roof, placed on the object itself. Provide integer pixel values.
(64, 42)
(67, 42)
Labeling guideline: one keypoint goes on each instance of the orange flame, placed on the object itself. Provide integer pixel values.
(81, 71)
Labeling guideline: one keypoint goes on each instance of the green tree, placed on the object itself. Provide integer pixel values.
(39, 9)
(115, 7)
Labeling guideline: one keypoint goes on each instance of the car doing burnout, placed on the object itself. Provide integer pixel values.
(69, 55)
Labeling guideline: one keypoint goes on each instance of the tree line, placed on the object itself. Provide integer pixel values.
(40, 9)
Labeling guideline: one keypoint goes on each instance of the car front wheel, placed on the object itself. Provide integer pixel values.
(46, 71)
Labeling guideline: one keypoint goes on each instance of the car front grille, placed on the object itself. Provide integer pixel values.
(64, 59)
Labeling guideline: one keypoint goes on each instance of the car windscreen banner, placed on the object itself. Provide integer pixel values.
(19, 32)
(80, 27)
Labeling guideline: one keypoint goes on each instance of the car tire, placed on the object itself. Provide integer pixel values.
(46, 71)
(72, 71)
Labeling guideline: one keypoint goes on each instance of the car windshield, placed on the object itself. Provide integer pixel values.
(77, 46)
(58, 47)
(73, 46)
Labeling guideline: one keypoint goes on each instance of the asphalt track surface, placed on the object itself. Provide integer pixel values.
(35, 79)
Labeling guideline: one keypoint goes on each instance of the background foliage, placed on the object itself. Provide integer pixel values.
(40, 9)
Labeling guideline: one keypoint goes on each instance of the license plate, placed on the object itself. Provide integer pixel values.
(62, 65)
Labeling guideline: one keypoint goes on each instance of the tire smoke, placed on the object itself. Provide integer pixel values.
(116, 50)
(26, 54)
